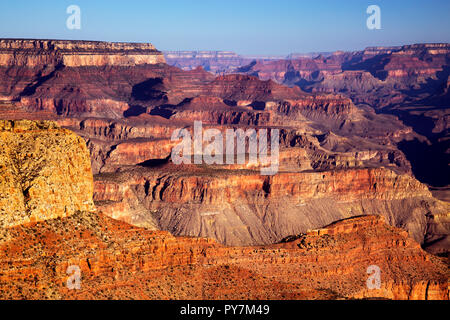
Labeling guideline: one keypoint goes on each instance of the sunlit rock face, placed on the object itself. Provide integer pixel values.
(45, 173)
(119, 261)
(32, 53)
(239, 207)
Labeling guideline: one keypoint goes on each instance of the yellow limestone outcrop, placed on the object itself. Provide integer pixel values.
(45, 172)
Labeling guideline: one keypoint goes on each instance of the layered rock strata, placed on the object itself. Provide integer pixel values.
(127, 114)
(249, 209)
(33, 53)
(114, 260)
(118, 261)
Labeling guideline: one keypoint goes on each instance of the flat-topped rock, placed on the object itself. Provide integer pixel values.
(74, 53)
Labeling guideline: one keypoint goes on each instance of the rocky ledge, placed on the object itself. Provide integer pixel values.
(30, 52)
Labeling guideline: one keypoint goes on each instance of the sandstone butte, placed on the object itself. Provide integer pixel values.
(118, 260)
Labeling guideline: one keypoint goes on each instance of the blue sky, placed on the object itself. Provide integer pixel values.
(276, 27)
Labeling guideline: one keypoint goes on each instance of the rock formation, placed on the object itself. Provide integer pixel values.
(249, 209)
(212, 61)
(341, 165)
(35, 53)
(410, 82)
(337, 159)
(118, 261)
(45, 173)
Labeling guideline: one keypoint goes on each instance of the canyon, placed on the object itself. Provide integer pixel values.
(220, 62)
(119, 261)
(212, 61)
(410, 82)
(105, 195)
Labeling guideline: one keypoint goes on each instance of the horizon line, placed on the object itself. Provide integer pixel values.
(232, 51)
